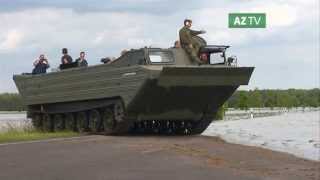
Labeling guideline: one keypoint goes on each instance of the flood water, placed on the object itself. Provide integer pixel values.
(297, 133)
(13, 121)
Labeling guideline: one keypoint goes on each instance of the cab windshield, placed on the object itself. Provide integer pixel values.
(160, 57)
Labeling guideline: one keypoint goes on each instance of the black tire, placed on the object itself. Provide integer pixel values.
(94, 121)
(81, 122)
(47, 124)
(108, 122)
(37, 121)
(70, 123)
(179, 128)
(114, 121)
(118, 111)
(123, 125)
(58, 122)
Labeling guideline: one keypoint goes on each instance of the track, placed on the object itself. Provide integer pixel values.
(112, 120)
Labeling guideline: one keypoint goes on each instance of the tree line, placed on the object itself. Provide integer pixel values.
(275, 98)
(240, 99)
(11, 102)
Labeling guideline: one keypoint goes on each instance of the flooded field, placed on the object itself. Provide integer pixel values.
(236, 114)
(13, 120)
(295, 132)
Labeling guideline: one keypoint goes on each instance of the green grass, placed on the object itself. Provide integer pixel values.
(12, 112)
(13, 135)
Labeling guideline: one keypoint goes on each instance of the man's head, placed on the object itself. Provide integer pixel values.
(41, 57)
(82, 54)
(204, 57)
(123, 52)
(188, 22)
(64, 51)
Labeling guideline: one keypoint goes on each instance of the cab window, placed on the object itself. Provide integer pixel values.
(160, 57)
(216, 58)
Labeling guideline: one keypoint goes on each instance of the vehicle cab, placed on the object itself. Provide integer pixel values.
(210, 55)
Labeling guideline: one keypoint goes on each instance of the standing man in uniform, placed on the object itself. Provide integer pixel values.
(188, 43)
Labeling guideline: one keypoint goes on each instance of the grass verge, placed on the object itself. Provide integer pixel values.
(22, 135)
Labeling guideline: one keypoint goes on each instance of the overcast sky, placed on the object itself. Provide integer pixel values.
(285, 54)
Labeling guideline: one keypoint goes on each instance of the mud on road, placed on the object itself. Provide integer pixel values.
(138, 157)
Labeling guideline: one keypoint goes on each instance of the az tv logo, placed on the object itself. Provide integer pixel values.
(247, 20)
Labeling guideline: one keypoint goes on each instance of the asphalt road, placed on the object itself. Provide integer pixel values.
(106, 157)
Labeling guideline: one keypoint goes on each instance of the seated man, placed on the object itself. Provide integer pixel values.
(82, 62)
(66, 58)
(40, 65)
(188, 42)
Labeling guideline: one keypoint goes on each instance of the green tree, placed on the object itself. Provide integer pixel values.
(275, 98)
(243, 100)
(255, 98)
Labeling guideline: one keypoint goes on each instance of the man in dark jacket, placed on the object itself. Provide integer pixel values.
(187, 41)
(65, 59)
(40, 65)
(82, 62)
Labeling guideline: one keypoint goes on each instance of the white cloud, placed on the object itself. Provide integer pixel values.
(11, 40)
(46, 28)
(27, 33)
(278, 15)
(64, 27)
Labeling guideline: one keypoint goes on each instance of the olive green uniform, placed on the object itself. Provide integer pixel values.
(186, 38)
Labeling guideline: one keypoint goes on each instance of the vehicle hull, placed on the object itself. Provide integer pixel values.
(139, 93)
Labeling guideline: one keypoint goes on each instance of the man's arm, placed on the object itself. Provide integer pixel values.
(62, 60)
(194, 33)
(46, 62)
(70, 59)
(35, 63)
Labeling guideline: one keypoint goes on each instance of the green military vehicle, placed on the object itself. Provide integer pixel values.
(147, 90)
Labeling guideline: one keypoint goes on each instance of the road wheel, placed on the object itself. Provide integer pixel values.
(108, 121)
(123, 124)
(180, 128)
(70, 123)
(114, 121)
(118, 111)
(82, 124)
(47, 124)
(37, 121)
(59, 124)
(94, 121)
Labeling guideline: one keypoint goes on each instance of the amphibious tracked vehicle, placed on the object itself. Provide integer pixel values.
(147, 90)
